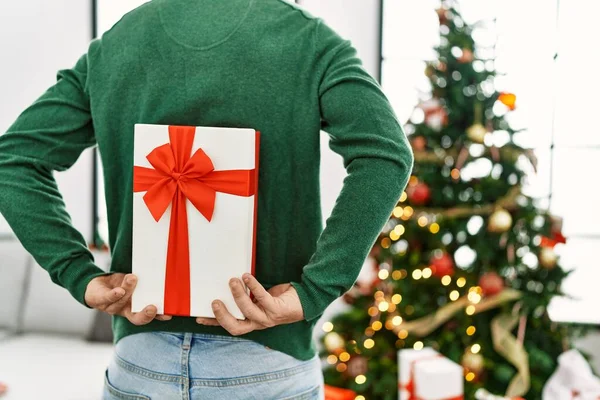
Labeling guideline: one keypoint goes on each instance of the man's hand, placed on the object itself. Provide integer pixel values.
(279, 305)
(112, 294)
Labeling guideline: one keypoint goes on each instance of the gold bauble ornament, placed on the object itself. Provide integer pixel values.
(500, 221)
(477, 133)
(429, 71)
(473, 362)
(333, 342)
(548, 258)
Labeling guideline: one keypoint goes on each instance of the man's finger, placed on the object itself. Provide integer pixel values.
(143, 317)
(162, 317)
(105, 296)
(128, 285)
(260, 293)
(229, 322)
(250, 309)
(207, 321)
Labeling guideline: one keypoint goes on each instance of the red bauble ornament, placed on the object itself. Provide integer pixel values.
(491, 283)
(442, 265)
(418, 194)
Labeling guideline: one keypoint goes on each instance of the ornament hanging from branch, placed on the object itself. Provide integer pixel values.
(548, 258)
(491, 283)
(418, 194)
(477, 132)
(473, 362)
(500, 221)
(442, 264)
(508, 99)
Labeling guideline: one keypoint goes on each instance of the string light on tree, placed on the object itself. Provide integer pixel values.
(474, 295)
(334, 342)
(403, 197)
(427, 273)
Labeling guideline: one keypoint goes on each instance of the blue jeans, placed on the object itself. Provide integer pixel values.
(190, 366)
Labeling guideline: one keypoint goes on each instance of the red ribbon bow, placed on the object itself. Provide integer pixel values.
(177, 177)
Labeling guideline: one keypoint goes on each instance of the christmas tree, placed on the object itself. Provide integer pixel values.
(466, 263)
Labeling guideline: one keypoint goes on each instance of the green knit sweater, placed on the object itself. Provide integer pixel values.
(261, 64)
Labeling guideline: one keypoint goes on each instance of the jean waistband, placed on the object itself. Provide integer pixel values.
(189, 335)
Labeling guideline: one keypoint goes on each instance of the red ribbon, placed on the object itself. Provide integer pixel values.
(557, 237)
(410, 385)
(177, 177)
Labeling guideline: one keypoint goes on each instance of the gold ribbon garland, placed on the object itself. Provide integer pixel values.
(508, 202)
(507, 345)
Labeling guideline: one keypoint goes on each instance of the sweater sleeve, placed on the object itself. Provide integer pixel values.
(365, 131)
(49, 136)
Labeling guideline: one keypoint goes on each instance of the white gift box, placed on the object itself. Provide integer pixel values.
(221, 245)
(428, 375)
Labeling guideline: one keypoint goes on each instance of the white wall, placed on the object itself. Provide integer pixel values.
(111, 11)
(37, 38)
